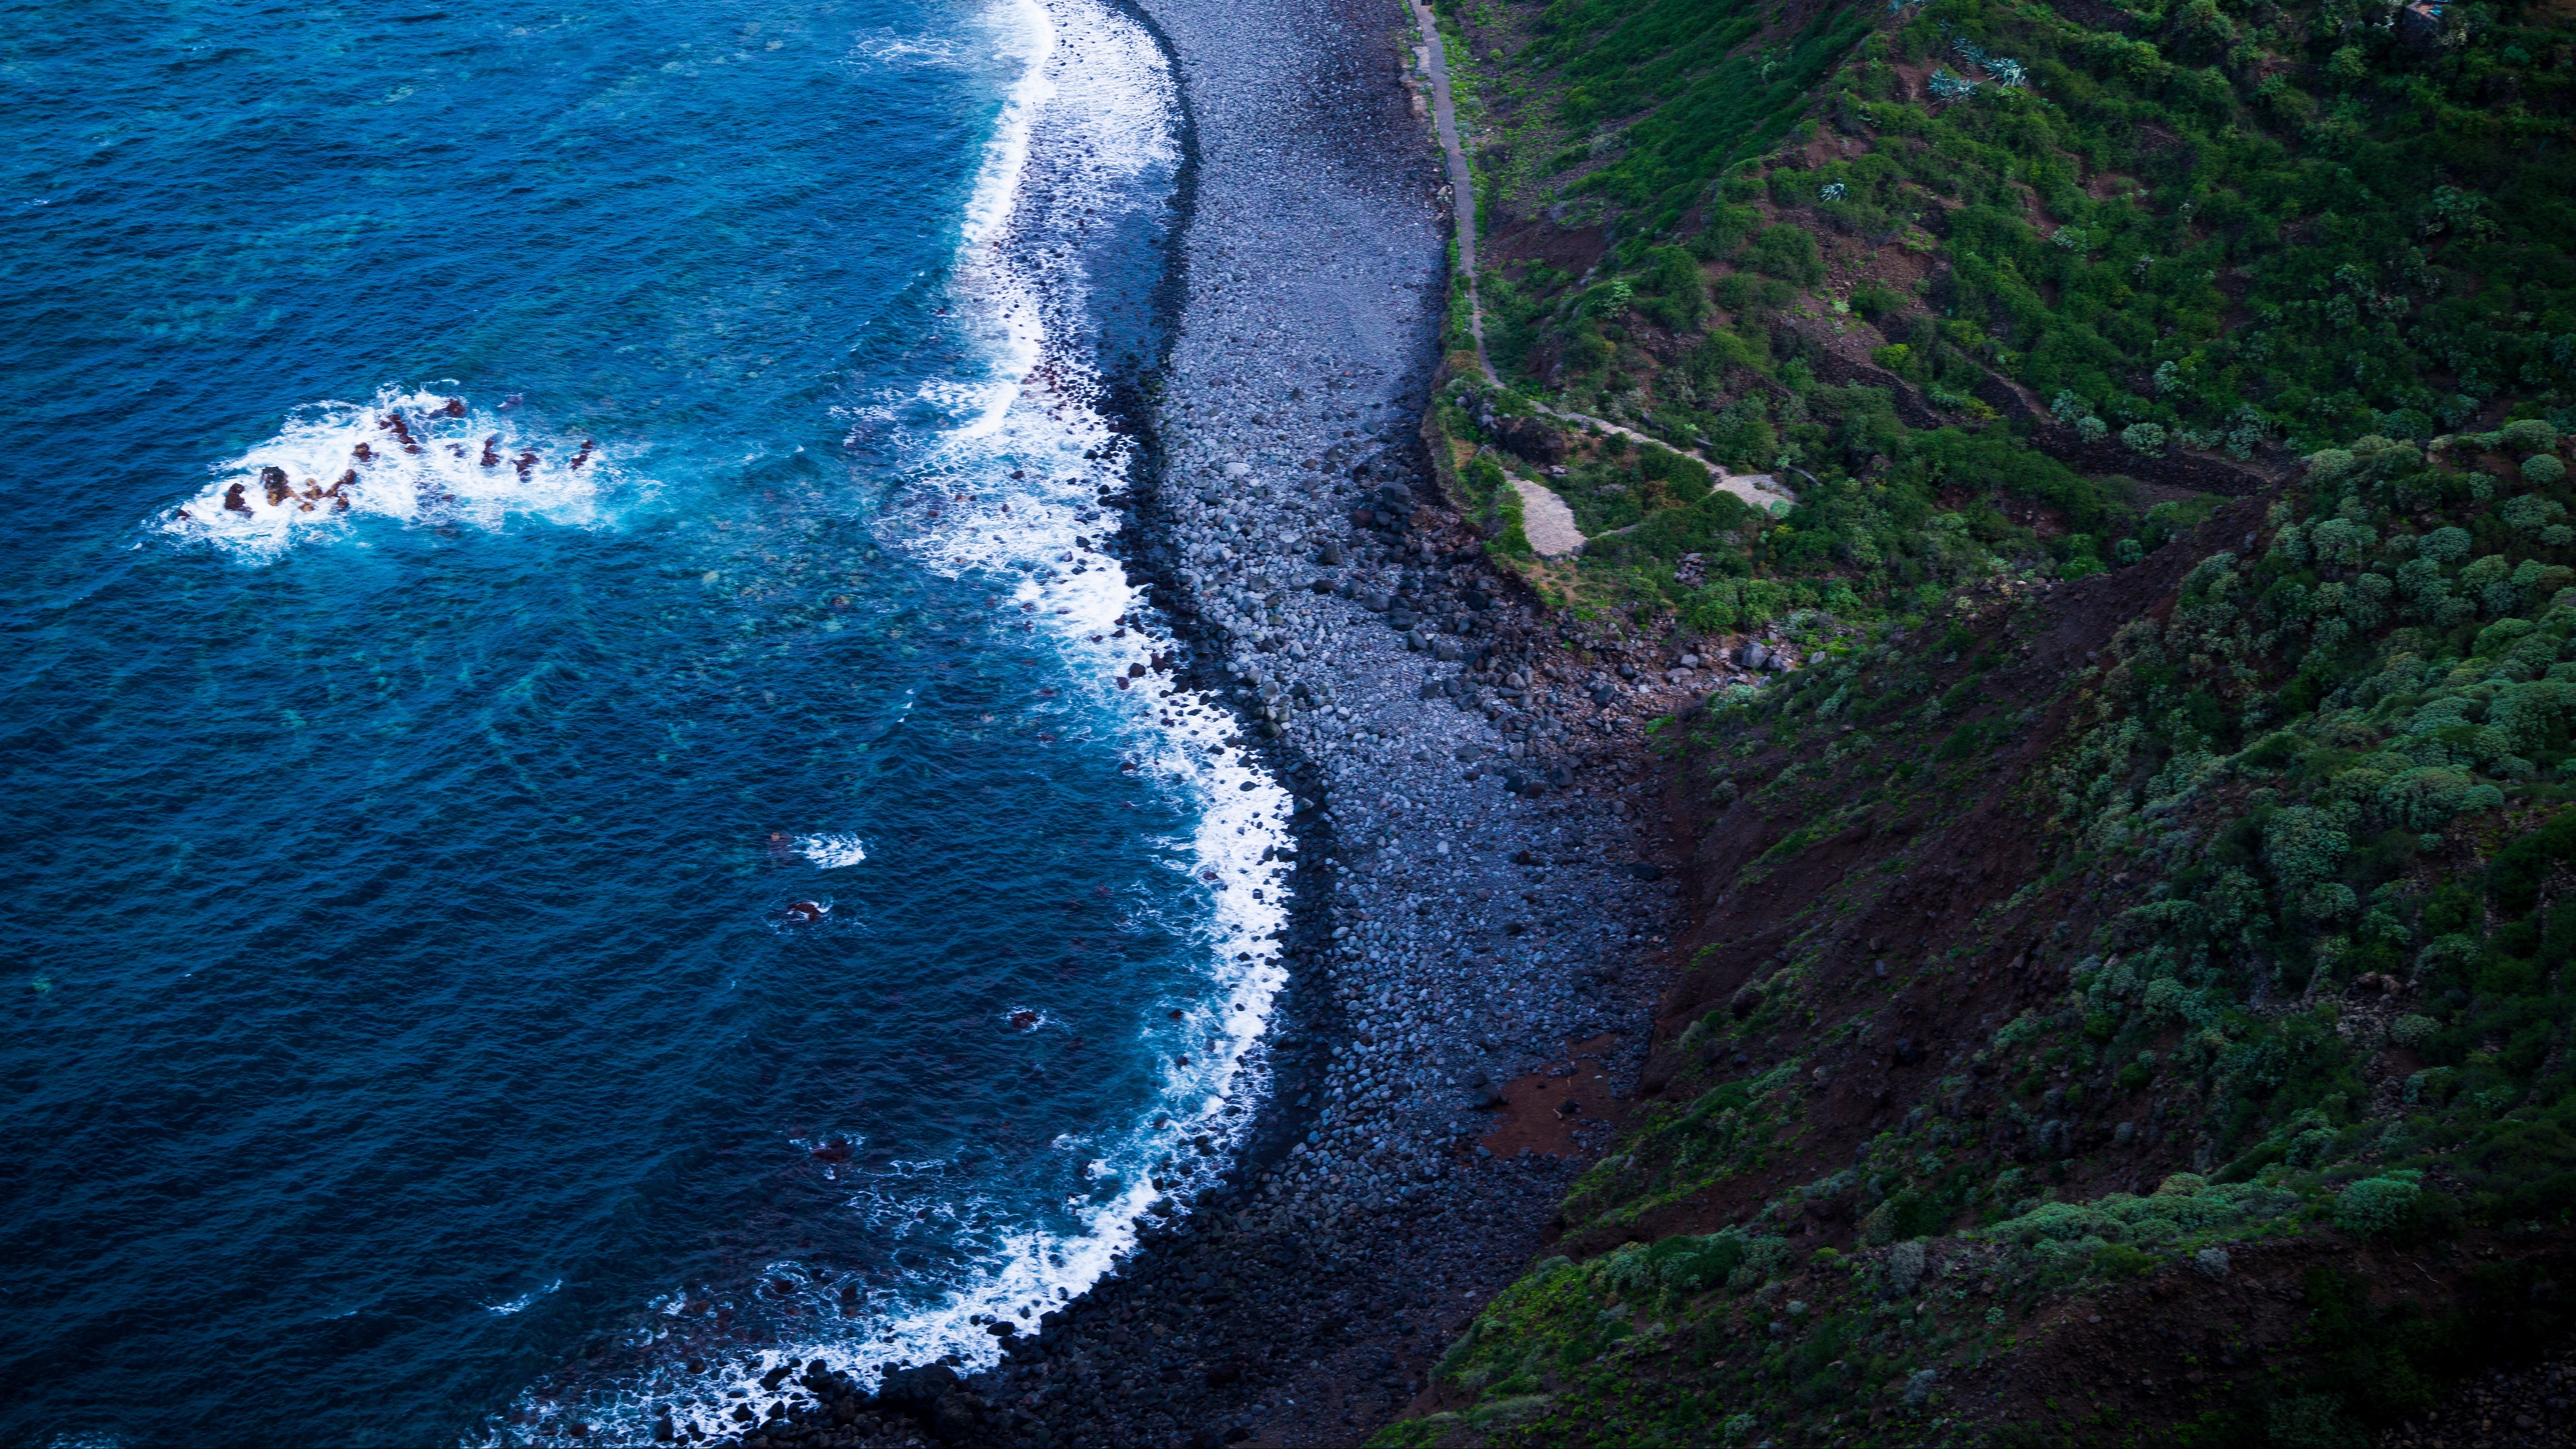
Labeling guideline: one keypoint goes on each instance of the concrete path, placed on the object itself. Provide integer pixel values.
(1462, 182)
(1546, 521)
(1759, 489)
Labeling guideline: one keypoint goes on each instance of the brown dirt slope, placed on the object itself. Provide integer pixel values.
(1917, 919)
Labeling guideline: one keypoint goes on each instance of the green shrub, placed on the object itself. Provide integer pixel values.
(2312, 1421)
(1788, 253)
(2544, 469)
(2445, 545)
(2529, 435)
(2377, 1205)
(2061, 1222)
(2424, 798)
(1698, 1264)
(1874, 299)
(2119, 1260)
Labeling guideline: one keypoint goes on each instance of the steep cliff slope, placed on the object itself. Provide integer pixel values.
(2144, 935)
(2127, 1000)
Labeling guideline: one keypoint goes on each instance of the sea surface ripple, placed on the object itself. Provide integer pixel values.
(636, 847)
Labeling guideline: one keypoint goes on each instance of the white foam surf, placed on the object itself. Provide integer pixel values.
(408, 455)
(1008, 489)
(1012, 493)
(832, 852)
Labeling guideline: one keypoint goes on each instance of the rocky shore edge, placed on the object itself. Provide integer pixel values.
(1482, 888)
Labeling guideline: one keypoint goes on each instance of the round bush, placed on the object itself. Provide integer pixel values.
(2530, 512)
(2446, 545)
(2375, 1205)
(2145, 438)
(2531, 435)
(2163, 996)
(2424, 798)
(2544, 469)
(2311, 1147)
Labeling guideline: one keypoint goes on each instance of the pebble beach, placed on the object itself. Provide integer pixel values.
(1483, 882)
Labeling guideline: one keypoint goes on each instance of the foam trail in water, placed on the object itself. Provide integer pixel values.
(523, 1302)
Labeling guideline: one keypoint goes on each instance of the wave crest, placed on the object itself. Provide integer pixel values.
(831, 852)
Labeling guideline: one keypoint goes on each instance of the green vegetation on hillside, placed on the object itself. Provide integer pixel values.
(1886, 258)
(2000, 295)
(2345, 758)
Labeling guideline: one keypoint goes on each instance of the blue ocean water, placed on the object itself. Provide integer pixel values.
(628, 852)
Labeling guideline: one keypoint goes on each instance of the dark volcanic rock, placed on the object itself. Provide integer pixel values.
(1531, 439)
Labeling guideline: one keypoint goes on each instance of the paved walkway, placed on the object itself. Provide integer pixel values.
(1759, 489)
(1546, 521)
(1462, 182)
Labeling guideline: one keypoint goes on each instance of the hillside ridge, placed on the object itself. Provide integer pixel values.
(2135, 909)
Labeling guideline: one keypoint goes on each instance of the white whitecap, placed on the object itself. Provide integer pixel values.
(831, 852)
